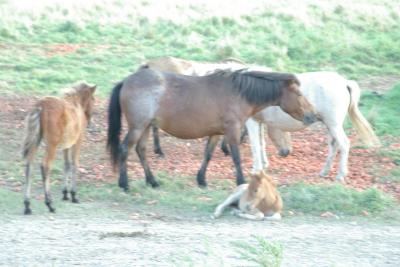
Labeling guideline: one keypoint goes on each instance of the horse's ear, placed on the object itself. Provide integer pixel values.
(93, 88)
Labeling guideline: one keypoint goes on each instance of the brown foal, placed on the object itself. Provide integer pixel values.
(60, 123)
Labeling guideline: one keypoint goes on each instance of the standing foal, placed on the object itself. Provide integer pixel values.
(59, 122)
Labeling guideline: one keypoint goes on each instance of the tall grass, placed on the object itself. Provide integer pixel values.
(114, 37)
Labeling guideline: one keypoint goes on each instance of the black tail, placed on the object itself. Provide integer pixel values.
(114, 124)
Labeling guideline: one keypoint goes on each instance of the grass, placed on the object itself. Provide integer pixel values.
(263, 253)
(105, 43)
(316, 199)
(383, 111)
(179, 196)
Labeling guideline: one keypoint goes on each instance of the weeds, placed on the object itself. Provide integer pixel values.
(263, 253)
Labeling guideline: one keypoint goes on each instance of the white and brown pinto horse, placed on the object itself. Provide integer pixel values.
(258, 200)
(333, 97)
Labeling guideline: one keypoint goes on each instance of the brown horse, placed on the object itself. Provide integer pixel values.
(258, 200)
(59, 122)
(190, 107)
(192, 68)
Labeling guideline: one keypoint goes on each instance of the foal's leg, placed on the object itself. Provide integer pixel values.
(76, 149)
(233, 198)
(67, 173)
(156, 140)
(211, 143)
(255, 215)
(45, 169)
(28, 186)
(253, 129)
(141, 151)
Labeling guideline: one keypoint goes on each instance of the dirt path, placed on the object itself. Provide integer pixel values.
(143, 240)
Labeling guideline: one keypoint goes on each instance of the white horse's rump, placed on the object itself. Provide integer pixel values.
(333, 97)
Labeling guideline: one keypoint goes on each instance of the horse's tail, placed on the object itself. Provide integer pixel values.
(33, 134)
(362, 126)
(114, 124)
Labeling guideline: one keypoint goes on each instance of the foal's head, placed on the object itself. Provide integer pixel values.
(261, 188)
(296, 105)
(85, 95)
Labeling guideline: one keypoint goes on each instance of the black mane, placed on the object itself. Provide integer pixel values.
(259, 87)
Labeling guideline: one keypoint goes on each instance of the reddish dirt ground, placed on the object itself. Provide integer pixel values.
(183, 157)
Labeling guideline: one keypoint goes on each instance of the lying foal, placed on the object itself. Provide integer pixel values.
(258, 200)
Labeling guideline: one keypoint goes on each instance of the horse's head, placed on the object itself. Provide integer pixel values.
(86, 95)
(281, 140)
(296, 105)
(261, 188)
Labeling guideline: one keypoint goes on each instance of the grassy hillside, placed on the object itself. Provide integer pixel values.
(50, 45)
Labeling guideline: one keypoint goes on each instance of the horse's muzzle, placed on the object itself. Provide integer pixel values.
(310, 118)
(284, 152)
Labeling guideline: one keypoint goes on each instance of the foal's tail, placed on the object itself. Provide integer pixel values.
(114, 124)
(362, 126)
(33, 134)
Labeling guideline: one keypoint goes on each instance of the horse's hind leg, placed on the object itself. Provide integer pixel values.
(224, 147)
(141, 151)
(156, 140)
(28, 186)
(45, 169)
(67, 173)
(130, 139)
(210, 147)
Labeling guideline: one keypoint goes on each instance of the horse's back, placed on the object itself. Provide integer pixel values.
(61, 121)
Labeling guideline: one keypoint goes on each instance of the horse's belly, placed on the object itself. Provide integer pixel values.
(190, 129)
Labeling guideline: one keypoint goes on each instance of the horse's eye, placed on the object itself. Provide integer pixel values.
(255, 190)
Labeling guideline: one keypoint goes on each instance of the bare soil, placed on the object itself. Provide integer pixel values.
(151, 240)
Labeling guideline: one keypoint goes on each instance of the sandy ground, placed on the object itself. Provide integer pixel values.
(152, 240)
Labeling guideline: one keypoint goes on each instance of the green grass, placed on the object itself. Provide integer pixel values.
(350, 42)
(315, 199)
(263, 253)
(383, 111)
(180, 196)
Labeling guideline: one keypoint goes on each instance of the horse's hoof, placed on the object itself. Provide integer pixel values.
(202, 184)
(28, 212)
(65, 195)
(52, 210)
(159, 153)
(75, 200)
(284, 152)
(340, 179)
(154, 184)
(65, 198)
(323, 174)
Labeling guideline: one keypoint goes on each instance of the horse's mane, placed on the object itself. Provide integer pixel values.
(258, 87)
(75, 88)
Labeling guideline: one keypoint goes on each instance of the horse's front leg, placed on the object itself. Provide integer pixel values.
(67, 173)
(253, 129)
(233, 138)
(75, 152)
(210, 147)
